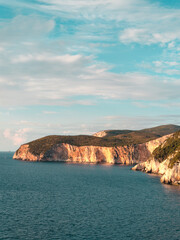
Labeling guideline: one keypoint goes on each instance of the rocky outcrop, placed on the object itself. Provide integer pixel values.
(100, 134)
(172, 175)
(92, 154)
(168, 175)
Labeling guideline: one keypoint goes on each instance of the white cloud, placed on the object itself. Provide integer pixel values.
(168, 105)
(46, 58)
(165, 67)
(49, 112)
(171, 45)
(134, 35)
(172, 63)
(148, 36)
(22, 28)
(17, 137)
(2, 80)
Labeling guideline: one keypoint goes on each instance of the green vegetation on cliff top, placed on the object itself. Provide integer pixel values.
(121, 138)
(144, 133)
(171, 148)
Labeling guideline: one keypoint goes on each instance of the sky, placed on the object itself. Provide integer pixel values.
(78, 67)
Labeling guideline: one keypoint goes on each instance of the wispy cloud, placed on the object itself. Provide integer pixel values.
(139, 18)
(168, 65)
(168, 105)
(46, 58)
(22, 28)
(139, 122)
(134, 20)
(44, 79)
(49, 112)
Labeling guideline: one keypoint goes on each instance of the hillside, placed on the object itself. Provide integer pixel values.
(42, 145)
(139, 136)
(169, 149)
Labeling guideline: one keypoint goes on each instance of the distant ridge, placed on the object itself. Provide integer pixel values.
(111, 133)
(158, 131)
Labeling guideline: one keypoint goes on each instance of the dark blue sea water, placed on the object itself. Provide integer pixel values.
(68, 201)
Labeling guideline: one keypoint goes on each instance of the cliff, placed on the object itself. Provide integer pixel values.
(165, 161)
(168, 175)
(128, 154)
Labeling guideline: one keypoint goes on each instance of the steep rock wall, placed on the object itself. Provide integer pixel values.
(93, 154)
(168, 175)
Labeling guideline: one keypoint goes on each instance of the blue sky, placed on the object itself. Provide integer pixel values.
(78, 67)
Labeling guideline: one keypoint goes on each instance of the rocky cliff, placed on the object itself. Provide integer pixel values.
(168, 175)
(90, 154)
(165, 161)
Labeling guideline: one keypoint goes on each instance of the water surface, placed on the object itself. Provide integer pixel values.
(69, 201)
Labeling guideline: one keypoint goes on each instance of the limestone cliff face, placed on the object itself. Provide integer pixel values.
(168, 175)
(92, 154)
(172, 176)
(151, 145)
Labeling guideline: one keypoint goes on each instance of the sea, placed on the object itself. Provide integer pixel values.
(51, 200)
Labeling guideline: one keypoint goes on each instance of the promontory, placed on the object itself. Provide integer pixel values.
(110, 147)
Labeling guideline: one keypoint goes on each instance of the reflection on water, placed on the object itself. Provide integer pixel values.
(171, 189)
